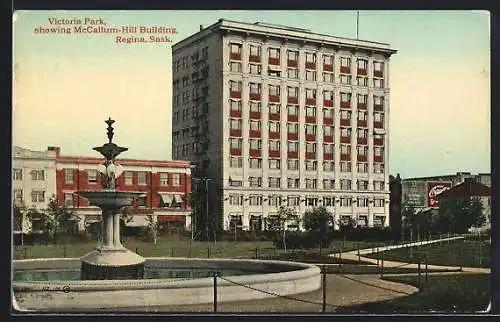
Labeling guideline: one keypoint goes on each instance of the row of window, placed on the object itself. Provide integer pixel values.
(183, 62)
(310, 165)
(37, 195)
(311, 93)
(128, 176)
(141, 201)
(17, 174)
(277, 200)
(274, 54)
(294, 183)
(293, 127)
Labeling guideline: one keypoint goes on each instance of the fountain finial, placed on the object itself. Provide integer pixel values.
(110, 122)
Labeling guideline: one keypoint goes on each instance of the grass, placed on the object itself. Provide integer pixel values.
(459, 293)
(457, 253)
(171, 246)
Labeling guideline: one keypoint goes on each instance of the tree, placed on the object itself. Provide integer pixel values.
(152, 227)
(319, 220)
(279, 222)
(19, 213)
(457, 215)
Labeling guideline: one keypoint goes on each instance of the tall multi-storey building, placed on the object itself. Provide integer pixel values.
(275, 115)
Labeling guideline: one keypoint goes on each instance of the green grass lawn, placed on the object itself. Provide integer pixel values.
(456, 253)
(460, 293)
(179, 247)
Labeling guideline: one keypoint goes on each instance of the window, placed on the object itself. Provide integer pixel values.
(255, 200)
(275, 73)
(310, 165)
(378, 151)
(18, 195)
(362, 150)
(255, 163)
(362, 81)
(235, 105)
(293, 110)
(274, 108)
(68, 176)
(141, 177)
(292, 55)
(235, 143)
(37, 175)
(345, 149)
(328, 130)
(255, 50)
(328, 95)
(37, 196)
(378, 83)
(311, 147)
(255, 88)
(328, 148)
(292, 164)
(362, 185)
(310, 129)
(328, 166)
(235, 67)
(362, 167)
(274, 127)
(328, 113)
(311, 183)
(362, 115)
(345, 184)
(328, 59)
(378, 117)
(310, 111)
(255, 106)
(378, 137)
(293, 91)
(293, 146)
(273, 199)
(378, 185)
(163, 179)
(328, 184)
(293, 201)
(254, 125)
(345, 79)
(378, 202)
(362, 64)
(345, 202)
(293, 183)
(310, 57)
(274, 164)
(293, 128)
(17, 174)
(274, 53)
(345, 131)
(235, 48)
(293, 73)
(378, 100)
(236, 200)
(310, 75)
(274, 182)
(256, 69)
(92, 176)
(235, 183)
(235, 124)
(310, 93)
(345, 97)
(274, 145)
(235, 86)
(345, 62)
(185, 81)
(255, 181)
(328, 77)
(345, 166)
(236, 162)
(378, 168)
(378, 66)
(362, 202)
(362, 99)
(327, 201)
(311, 202)
(176, 179)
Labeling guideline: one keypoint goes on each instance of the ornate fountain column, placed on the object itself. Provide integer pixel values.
(111, 260)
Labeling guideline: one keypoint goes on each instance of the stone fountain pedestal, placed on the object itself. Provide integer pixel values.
(111, 260)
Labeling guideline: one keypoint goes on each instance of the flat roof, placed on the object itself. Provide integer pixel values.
(290, 33)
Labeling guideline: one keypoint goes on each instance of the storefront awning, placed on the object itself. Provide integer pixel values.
(166, 198)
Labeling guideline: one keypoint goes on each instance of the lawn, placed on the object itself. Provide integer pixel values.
(459, 293)
(178, 247)
(456, 253)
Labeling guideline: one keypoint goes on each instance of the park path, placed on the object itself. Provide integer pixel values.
(358, 255)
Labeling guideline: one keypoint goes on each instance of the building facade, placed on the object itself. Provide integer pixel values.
(275, 115)
(165, 186)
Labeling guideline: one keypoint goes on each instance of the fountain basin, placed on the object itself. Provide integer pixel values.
(279, 277)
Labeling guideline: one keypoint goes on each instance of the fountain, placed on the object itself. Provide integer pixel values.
(111, 260)
(112, 276)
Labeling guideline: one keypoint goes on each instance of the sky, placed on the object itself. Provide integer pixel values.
(66, 85)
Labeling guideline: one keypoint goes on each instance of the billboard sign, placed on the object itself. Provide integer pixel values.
(434, 188)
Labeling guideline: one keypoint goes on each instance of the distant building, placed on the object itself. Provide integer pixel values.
(276, 115)
(422, 192)
(38, 176)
